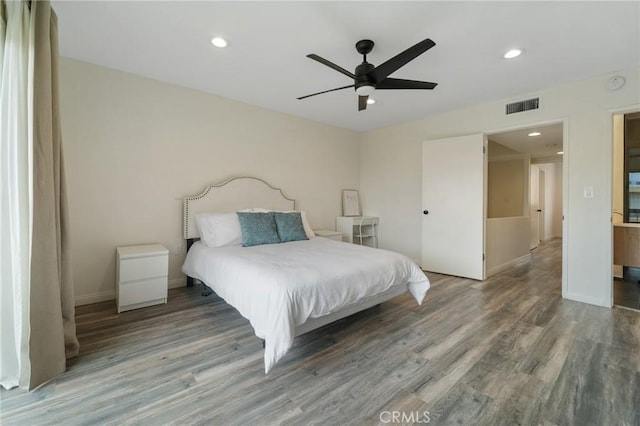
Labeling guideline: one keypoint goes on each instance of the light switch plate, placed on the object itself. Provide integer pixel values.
(588, 192)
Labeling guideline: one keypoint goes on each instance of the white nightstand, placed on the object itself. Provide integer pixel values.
(332, 235)
(141, 276)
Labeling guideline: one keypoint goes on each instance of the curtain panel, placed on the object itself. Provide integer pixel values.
(53, 328)
(15, 199)
(50, 301)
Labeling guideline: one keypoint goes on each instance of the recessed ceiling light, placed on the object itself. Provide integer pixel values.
(219, 42)
(371, 101)
(534, 134)
(513, 53)
(560, 152)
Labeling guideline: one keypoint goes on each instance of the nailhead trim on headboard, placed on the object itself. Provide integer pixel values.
(218, 185)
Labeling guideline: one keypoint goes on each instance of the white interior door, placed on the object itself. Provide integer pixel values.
(541, 206)
(534, 206)
(454, 207)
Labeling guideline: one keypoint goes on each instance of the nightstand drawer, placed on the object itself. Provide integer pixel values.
(143, 267)
(143, 291)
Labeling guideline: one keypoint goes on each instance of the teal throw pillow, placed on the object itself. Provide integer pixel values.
(290, 227)
(258, 228)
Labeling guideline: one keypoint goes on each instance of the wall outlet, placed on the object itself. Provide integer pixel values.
(177, 249)
(588, 192)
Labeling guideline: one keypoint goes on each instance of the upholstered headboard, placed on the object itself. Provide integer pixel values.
(236, 193)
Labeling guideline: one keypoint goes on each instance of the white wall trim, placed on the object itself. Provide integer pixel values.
(586, 299)
(507, 265)
(565, 206)
(625, 109)
(101, 296)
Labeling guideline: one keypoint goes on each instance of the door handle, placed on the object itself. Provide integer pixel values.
(425, 211)
(539, 211)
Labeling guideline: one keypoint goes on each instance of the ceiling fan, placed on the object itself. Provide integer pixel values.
(368, 78)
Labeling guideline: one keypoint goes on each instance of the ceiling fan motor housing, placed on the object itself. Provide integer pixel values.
(364, 47)
(362, 77)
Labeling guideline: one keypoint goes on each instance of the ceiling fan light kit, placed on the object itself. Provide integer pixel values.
(365, 90)
(368, 78)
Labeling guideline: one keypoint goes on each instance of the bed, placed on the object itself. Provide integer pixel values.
(290, 288)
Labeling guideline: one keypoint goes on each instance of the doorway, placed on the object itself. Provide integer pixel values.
(626, 210)
(476, 199)
(540, 219)
(536, 206)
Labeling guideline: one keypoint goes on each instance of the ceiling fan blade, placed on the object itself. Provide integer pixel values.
(398, 83)
(331, 65)
(325, 91)
(382, 71)
(362, 103)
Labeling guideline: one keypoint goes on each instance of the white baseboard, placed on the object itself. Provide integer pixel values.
(507, 265)
(101, 296)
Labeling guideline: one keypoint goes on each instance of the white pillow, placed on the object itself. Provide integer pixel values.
(305, 222)
(219, 229)
(307, 227)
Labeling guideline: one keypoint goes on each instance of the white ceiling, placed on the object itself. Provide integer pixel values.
(547, 145)
(265, 61)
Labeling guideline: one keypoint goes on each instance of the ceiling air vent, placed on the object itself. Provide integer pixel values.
(521, 106)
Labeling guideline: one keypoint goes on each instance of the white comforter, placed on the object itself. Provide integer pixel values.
(279, 286)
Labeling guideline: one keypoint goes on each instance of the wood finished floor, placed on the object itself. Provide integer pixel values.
(505, 351)
(626, 294)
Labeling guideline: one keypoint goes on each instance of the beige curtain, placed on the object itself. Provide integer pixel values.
(53, 329)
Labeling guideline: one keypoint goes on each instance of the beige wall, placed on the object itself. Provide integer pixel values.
(496, 150)
(507, 225)
(505, 188)
(391, 158)
(507, 241)
(134, 147)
